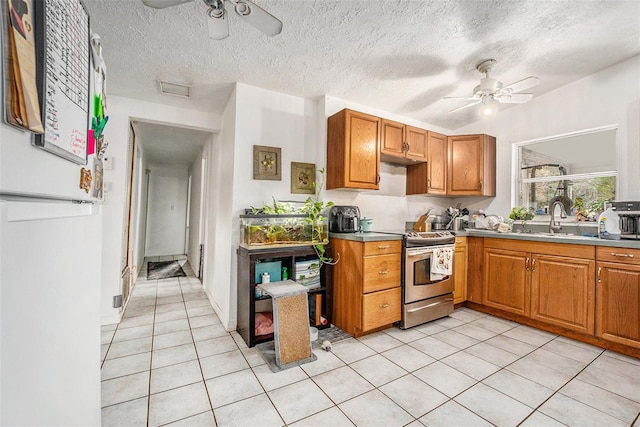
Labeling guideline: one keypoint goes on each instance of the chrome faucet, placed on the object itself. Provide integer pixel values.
(554, 226)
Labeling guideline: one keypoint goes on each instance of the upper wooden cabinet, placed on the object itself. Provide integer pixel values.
(402, 143)
(430, 177)
(353, 150)
(472, 165)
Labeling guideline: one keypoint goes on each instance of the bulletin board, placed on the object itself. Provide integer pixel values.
(63, 42)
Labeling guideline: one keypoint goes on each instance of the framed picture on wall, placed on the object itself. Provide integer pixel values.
(303, 178)
(267, 163)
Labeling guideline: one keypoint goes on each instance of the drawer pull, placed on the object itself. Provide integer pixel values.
(385, 305)
(599, 274)
(383, 272)
(622, 255)
(384, 246)
(533, 264)
(526, 264)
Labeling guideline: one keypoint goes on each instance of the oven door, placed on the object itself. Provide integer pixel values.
(417, 278)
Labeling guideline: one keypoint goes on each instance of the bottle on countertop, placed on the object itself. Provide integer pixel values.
(285, 273)
(609, 225)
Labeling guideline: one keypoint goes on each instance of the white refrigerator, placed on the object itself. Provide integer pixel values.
(50, 250)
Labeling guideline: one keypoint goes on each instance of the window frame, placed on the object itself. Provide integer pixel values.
(517, 181)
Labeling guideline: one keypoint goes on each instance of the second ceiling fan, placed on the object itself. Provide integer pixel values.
(490, 91)
(218, 12)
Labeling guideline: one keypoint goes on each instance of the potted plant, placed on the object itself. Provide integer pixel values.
(523, 214)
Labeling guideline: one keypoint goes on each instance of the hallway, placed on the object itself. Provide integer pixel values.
(170, 361)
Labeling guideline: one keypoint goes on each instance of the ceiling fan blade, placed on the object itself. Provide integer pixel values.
(467, 98)
(257, 17)
(514, 98)
(521, 85)
(466, 106)
(218, 24)
(161, 4)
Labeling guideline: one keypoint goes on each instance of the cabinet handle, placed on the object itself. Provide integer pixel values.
(428, 182)
(378, 179)
(526, 264)
(408, 147)
(383, 272)
(384, 246)
(481, 185)
(533, 264)
(385, 305)
(599, 275)
(622, 255)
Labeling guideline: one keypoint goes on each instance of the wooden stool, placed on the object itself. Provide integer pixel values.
(291, 344)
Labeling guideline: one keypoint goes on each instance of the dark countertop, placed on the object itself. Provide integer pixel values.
(372, 236)
(559, 238)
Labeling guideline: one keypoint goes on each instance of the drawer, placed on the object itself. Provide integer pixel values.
(382, 247)
(381, 308)
(381, 272)
(621, 255)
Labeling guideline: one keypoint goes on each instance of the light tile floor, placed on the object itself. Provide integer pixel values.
(170, 362)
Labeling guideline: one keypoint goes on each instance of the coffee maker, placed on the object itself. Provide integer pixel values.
(629, 213)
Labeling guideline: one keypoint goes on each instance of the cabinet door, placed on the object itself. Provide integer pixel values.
(562, 291)
(353, 150)
(460, 271)
(618, 303)
(436, 164)
(392, 141)
(507, 281)
(381, 308)
(465, 165)
(416, 139)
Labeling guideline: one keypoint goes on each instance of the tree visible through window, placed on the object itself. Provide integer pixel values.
(578, 169)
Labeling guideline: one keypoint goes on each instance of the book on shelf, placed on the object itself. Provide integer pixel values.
(315, 309)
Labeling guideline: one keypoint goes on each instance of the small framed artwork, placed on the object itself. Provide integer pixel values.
(267, 163)
(303, 178)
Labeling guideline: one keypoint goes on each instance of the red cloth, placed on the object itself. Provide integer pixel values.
(264, 323)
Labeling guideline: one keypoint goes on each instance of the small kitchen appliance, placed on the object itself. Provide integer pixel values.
(629, 213)
(344, 219)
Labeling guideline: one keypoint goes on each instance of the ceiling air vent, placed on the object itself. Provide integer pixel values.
(175, 89)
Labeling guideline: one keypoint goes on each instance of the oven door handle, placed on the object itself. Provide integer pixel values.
(446, 300)
(419, 252)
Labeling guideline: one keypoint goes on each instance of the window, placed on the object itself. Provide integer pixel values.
(579, 168)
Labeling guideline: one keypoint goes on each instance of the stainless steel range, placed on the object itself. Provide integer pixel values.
(426, 295)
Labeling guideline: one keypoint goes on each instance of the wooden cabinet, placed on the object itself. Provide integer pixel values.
(430, 177)
(249, 305)
(402, 143)
(460, 270)
(618, 295)
(367, 293)
(549, 282)
(353, 150)
(471, 165)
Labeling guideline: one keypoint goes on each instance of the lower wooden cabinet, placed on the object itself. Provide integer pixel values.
(618, 295)
(460, 270)
(367, 293)
(549, 282)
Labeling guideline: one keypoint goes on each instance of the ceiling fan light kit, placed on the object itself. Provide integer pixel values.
(491, 92)
(217, 12)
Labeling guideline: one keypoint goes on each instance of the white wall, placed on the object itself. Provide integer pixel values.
(167, 210)
(610, 97)
(121, 112)
(196, 213)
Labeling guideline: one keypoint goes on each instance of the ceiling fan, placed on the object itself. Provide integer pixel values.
(218, 11)
(490, 91)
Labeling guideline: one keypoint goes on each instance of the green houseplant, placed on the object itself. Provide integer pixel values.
(523, 214)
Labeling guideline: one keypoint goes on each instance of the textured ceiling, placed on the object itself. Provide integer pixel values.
(400, 56)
